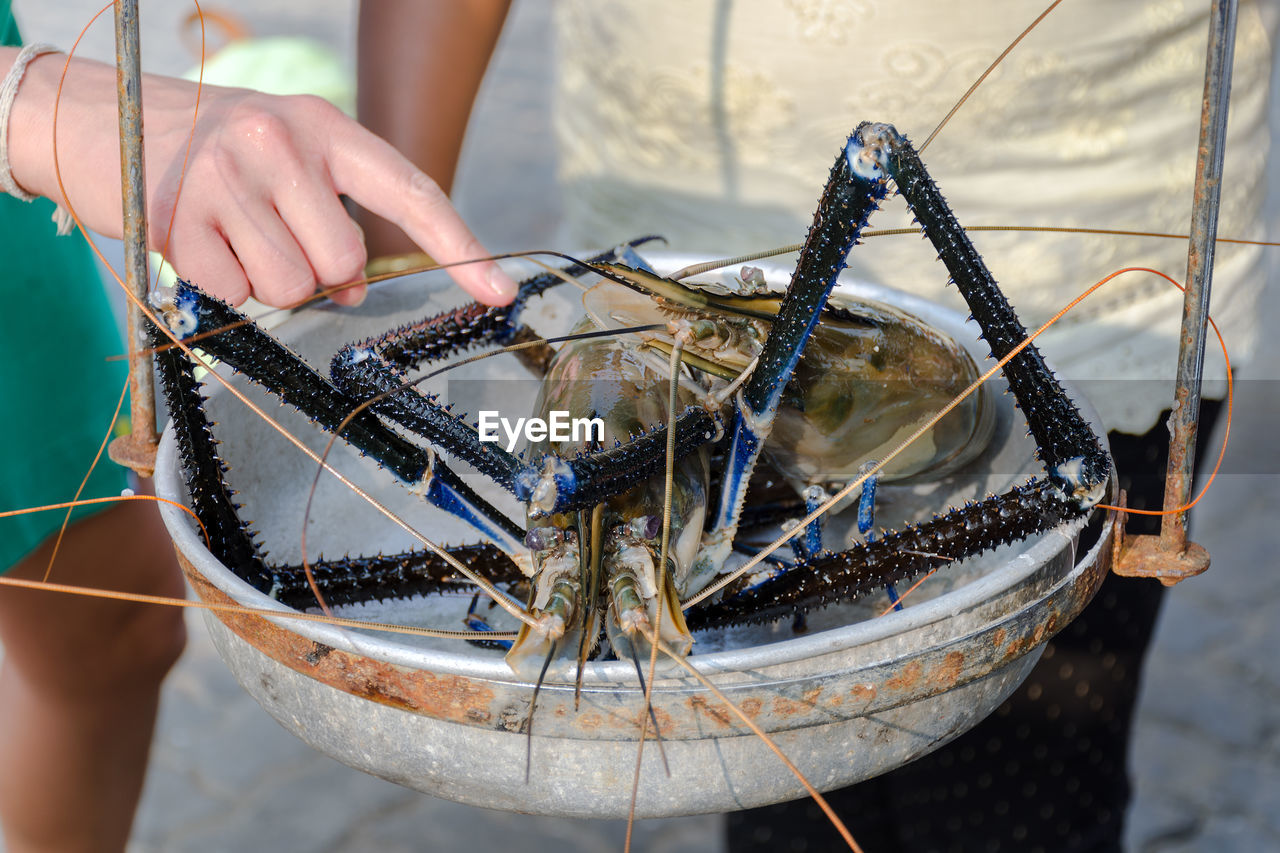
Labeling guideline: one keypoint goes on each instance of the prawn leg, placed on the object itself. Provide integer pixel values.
(384, 577)
(550, 484)
(233, 541)
(476, 324)
(1077, 465)
(375, 370)
(866, 520)
(231, 338)
(895, 557)
(1072, 454)
(853, 191)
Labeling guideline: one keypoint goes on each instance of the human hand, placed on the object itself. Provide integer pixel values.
(258, 213)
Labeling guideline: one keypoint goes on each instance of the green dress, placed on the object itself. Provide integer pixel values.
(59, 391)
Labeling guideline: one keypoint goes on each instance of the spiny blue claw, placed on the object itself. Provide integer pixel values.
(554, 485)
(854, 189)
(1077, 463)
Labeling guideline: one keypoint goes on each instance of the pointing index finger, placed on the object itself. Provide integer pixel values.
(382, 181)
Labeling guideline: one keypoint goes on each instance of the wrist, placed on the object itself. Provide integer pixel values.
(25, 130)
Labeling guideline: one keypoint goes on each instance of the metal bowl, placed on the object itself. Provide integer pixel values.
(854, 697)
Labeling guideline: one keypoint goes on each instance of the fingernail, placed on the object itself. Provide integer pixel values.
(501, 284)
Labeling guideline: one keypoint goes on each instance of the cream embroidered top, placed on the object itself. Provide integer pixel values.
(715, 124)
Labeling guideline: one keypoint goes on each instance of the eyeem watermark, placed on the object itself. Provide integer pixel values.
(557, 427)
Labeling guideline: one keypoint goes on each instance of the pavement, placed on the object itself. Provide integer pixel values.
(1206, 751)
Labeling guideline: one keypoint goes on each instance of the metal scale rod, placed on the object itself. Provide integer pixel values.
(1170, 556)
(1204, 231)
(138, 449)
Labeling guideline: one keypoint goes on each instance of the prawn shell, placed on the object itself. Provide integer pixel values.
(627, 390)
(870, 376)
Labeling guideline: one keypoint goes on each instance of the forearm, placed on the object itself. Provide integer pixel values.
(420, 66)
(89, 97)
(260, 210)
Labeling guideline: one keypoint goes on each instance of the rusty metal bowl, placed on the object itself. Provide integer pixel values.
(854, 697)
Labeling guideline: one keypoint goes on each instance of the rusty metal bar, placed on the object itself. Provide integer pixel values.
(1170, 556)
(1204, 232)
(137, 450)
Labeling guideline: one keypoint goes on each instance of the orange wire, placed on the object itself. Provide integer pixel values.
(57, 166)
(66, 519)
(75, 501)
(992, 67)
(913, 588)
(1023, 345)
(94, 501)
(1226, 431)
(142, 598)
(186, 156)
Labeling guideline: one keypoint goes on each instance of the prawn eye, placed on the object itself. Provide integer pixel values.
(753, 281)
(542, 538)
(652, 526)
